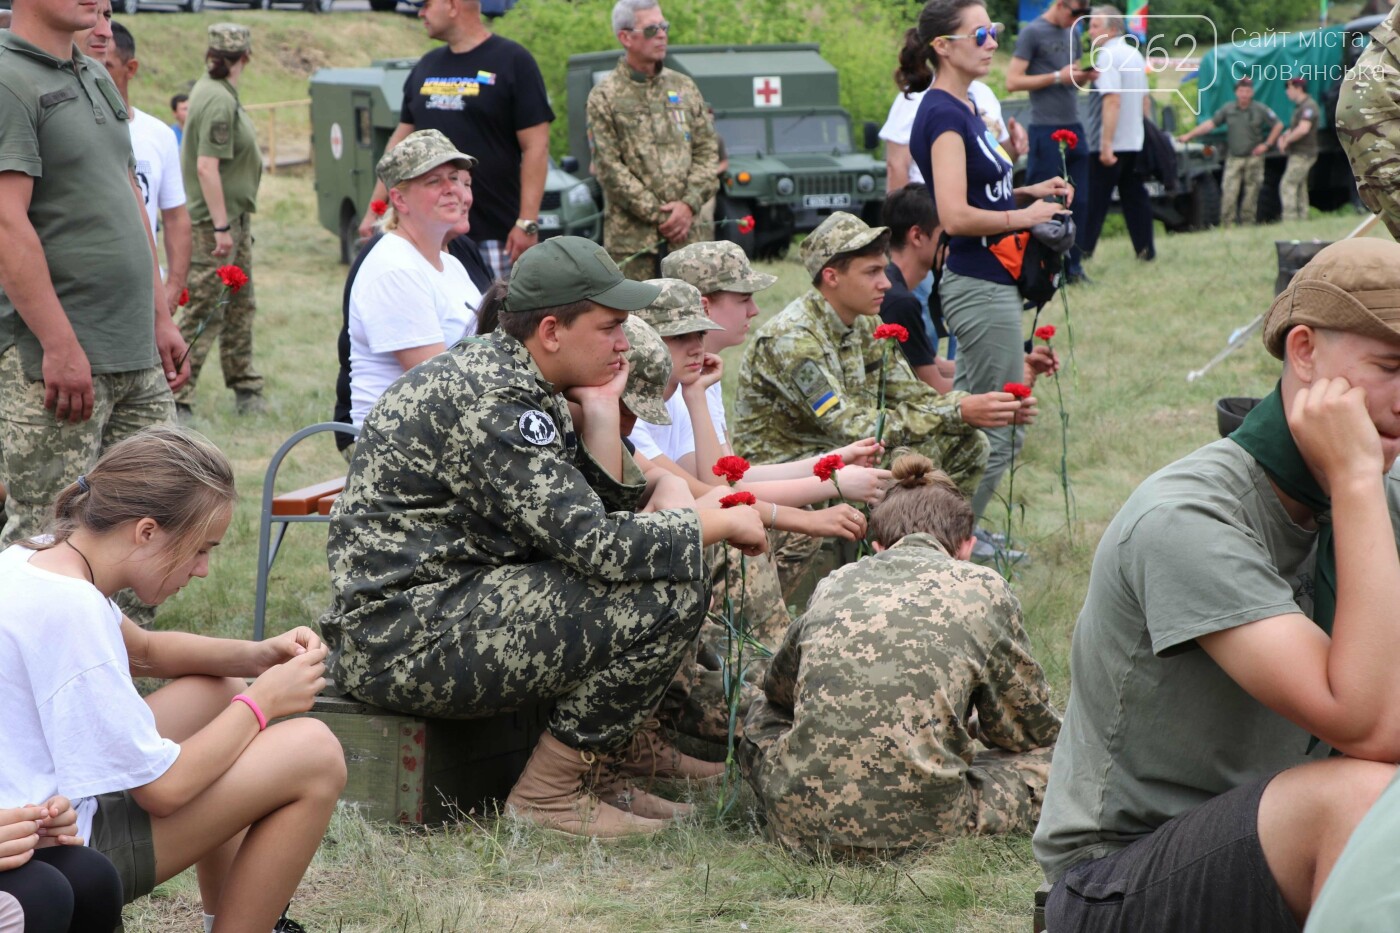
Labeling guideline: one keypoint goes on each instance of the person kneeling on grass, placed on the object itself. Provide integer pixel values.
(484, 558)
(1240, 619)
(864, 741)
(192, 775)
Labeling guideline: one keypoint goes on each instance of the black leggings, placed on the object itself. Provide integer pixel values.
(66, 889)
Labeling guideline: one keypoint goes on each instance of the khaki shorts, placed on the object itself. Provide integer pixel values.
(121, 830)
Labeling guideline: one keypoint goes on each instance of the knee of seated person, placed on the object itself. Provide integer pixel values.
(318, 752)
(1364, 782)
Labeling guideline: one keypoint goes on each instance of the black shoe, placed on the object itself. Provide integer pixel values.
(1077, 278)
(1147, 255)
(286, 924)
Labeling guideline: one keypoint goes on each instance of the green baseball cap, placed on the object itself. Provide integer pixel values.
(716, 266)
(677, 310)
(230, 37)
(839, 233)
(566, 269)
(417, 154)
(649, 369)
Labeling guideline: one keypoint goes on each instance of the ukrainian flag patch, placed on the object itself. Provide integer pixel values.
(825, 403)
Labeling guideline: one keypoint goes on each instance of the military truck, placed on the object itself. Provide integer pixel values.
(354, 111)
(777, 107)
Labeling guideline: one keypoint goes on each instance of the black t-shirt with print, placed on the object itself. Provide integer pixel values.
(479, 100)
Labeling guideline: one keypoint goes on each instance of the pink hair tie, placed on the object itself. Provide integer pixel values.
(252, 705)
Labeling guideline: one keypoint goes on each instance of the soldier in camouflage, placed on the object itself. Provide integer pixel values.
(653, 146)
(810, 377)
(865, 739)
(482, 558)
(1368, 122)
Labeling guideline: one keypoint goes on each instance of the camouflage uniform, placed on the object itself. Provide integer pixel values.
(652, 142)
(207, 318)
(1293, 186)
(808, 384)
(477, 564)
(1368, 122)
(861, 742)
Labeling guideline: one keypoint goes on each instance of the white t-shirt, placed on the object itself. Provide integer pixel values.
(1123, 71)
(399, 301)
(900, 122)
(677, 439)
(157, 165)
(73, 721)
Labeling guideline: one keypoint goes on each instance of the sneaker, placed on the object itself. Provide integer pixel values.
(987, 550)
(286, 924)
(249, 403)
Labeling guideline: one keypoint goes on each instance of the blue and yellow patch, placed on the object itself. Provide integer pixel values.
(824, 403)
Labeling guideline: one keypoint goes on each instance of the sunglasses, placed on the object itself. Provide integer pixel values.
(982, 34)
(653, 30)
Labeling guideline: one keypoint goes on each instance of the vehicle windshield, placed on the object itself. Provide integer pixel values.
(743, 135)
(811, 133)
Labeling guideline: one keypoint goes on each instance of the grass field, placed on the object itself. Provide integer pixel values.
(1137, 332)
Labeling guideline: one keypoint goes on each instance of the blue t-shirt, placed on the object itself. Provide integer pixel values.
(989, 184)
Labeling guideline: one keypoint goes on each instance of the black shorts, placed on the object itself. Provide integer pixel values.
(1203, 870)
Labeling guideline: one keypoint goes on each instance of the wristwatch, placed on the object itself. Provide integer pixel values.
(530, 227)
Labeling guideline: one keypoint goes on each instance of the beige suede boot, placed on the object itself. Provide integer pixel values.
(617, 790)
(651, 755)
(552, 792)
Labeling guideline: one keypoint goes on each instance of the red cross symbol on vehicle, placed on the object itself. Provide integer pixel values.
(765, 90)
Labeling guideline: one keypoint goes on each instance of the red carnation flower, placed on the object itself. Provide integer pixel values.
(1045, 332)
(184, 298)
(1068, 138)
(826, 466)
(1018, 389)
(746, 223)
(233, 277)
(378, 207)
(896, 331)
(731, 468)
(737, 498)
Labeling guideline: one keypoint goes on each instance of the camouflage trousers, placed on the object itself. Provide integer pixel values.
(1244, 176)
(1000, 792)
(1293, 187)
(604, 652)
(1368, 126)
(206, 319)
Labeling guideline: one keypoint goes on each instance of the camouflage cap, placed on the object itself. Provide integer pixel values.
(418, 154)
(718, 266)
(230, 37)
(677, 310)
(649, 369)
(566, 269)
(839, 233)
(1352, 285)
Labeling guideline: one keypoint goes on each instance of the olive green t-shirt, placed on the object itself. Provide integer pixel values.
(1307, 143)
(1155, 727)
(218, 126)
(1244, 128)
(64, 125)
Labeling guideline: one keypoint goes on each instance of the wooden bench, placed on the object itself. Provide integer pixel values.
(1042, 893)
(412, 770)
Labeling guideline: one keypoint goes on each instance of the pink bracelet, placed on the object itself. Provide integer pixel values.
(248, 701)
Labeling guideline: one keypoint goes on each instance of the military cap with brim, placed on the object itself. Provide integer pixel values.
(1351, 285)
(230, 37)
(716, 266)
(566, 269)
(648, 371)
(839, 233)
(677, 310)
(417, 154)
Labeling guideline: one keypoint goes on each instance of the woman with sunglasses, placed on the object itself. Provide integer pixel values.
(972, 188)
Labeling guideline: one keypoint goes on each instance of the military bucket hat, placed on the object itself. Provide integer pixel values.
(418, 154)
(566, 269)
(649, 369)
(677, 310)
(230, 37)
(839, 233)
(718, 266)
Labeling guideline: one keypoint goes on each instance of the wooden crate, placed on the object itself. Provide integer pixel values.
(408, 769)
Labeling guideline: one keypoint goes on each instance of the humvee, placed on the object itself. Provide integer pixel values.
(778, 110)
(354, 111)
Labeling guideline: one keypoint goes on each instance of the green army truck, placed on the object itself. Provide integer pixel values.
(354, 111)
(778, 110)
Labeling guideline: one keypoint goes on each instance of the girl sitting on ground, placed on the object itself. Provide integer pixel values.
(193, 774)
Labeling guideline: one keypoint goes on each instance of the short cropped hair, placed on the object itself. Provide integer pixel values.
(177, 100)
(124, 41)
(909, 207)
(624, 15)
(1111, 15)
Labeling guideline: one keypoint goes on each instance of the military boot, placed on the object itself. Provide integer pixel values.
(617, 790)
(552, 792)
(651, 755)
(248, 402)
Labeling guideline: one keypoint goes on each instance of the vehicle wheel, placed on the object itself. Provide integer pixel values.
(732, 209)
(260, 4)
(383, 6)
(192, 6)
(127, 7)
(349, 233)
(318, 6)
(1203, 208)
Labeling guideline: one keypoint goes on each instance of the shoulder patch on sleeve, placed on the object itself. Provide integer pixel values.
(219, 132)
(537, 428)
(808, 377)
